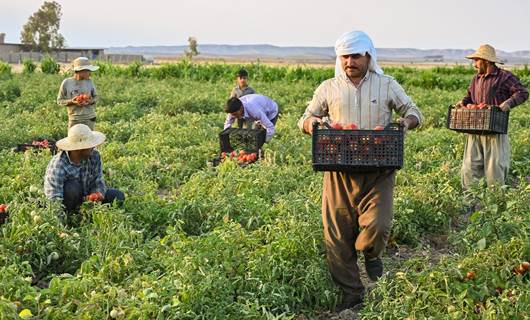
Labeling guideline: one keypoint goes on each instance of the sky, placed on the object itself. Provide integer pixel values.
(422, 24)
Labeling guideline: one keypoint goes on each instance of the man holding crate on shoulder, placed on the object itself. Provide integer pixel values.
(489, 155)
(357, 207)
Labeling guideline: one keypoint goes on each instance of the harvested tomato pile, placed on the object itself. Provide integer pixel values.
(352, 126)
(480, 106)
(242, 157)
(41, 144)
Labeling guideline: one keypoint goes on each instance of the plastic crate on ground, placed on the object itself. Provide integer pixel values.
(250, 140)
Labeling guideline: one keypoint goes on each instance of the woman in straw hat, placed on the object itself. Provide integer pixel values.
(78, 94)
(489, 155)
(75, 173)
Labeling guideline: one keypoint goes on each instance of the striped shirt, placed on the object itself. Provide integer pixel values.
(89, 173)
(368, 105)
(495, 88)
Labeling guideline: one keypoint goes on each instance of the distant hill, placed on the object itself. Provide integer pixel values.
(322, 53)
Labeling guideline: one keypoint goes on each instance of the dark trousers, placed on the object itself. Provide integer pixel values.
(357, 215)
(73, 195)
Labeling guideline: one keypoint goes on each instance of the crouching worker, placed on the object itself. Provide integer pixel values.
(75, 174)
(261, 110)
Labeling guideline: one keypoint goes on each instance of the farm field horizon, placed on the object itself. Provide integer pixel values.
(196, 241)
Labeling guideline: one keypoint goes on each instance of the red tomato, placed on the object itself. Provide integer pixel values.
(95, 197)
(350, 126)
(3, 208)
(336, 126)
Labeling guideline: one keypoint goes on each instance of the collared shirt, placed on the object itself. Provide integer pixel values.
(495, 88)
(367, 105)
(89, 173)
(71, 88)
(257, 107)
(238, 93)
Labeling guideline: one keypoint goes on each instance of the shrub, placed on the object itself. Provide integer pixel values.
(49, 65)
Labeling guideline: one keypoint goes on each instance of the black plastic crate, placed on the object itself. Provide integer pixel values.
(477, 121)
(250, 140)
(358, 150)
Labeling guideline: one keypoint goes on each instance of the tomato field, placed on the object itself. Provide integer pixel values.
(196, 241)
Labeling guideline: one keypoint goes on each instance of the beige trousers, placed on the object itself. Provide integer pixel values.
(485, 156)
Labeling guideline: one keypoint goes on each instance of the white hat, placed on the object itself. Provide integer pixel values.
(485, 52)
(82, 63)
(80, 137)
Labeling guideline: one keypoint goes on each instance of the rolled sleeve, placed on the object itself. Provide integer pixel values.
(318, 106)
(403, 104)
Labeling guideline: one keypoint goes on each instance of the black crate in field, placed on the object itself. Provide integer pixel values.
(477, 121)
(358, 150)
(250, 140)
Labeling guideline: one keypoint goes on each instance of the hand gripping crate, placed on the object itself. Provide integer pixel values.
(250, 140)
(358, 150)
(477, 121)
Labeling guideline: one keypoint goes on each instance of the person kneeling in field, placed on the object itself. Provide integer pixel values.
(357, 208)
(75, 174)
(78, 94)
(258, 108)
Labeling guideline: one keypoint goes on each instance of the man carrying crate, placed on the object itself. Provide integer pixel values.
(261, 110)
(357, 207)
(489, 155)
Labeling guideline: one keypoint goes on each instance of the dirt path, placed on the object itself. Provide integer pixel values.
(432, 248)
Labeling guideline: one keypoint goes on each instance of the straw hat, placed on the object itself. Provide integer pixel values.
(82, 63)
(485, 52)
(80, 137)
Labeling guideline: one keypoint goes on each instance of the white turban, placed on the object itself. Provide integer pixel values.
(355, 42)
